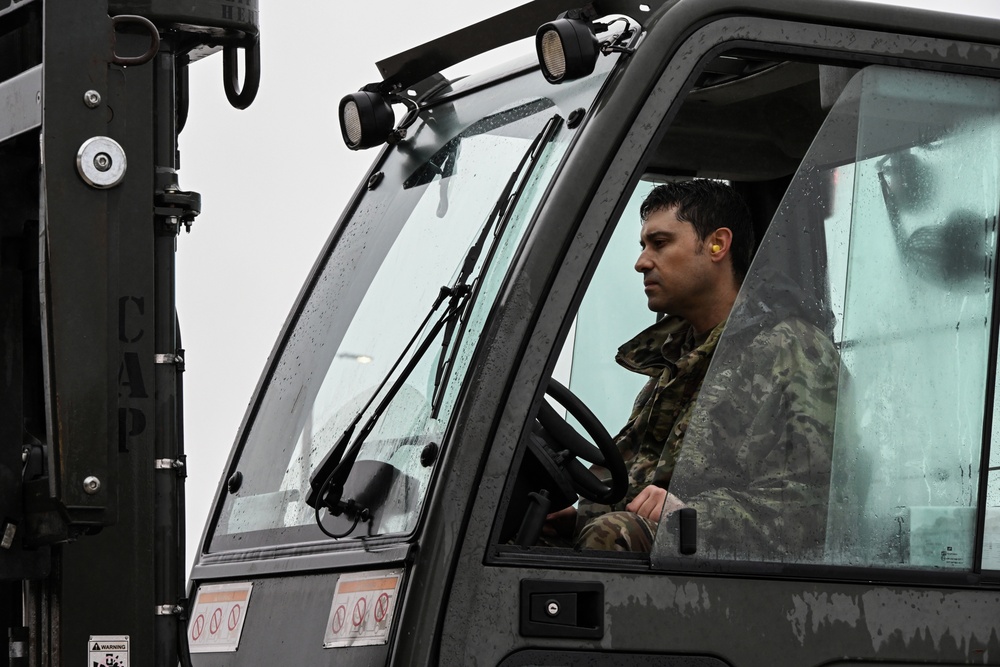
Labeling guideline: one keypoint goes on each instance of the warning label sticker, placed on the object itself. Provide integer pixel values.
(107, 651)
(362, 608)
(217, 617)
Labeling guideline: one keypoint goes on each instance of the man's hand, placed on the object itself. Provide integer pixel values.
(561, 523)
(652, 501)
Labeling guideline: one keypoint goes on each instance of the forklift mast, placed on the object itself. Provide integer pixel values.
(93, 96)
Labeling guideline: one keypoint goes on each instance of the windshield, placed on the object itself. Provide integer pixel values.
(407, 238)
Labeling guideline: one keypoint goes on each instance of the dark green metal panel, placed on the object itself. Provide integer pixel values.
(104, 580)
(120, 600)
(78, 259)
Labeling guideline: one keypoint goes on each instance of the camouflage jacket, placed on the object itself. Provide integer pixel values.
(652, 437)
(746, 442)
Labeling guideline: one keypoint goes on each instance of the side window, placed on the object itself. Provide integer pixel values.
(841, 420)
(612, 311)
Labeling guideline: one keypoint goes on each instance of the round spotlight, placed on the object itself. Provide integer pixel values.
(366, 120)
(567, 49)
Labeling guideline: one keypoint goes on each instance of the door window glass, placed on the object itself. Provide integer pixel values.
(841, 420)
(612, 311)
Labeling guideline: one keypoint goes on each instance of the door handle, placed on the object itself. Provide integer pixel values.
(562, 609)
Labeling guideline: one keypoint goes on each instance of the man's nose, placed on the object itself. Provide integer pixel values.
(642, 264)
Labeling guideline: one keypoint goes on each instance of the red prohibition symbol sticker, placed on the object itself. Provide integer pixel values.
(213, 625)
(198, 627)
(339, 617)
(358, 617)
(381, 607)
(234, 617)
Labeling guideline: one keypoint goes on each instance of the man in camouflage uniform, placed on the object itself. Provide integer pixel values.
(756, 448)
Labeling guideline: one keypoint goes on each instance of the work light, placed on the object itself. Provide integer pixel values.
(366, 119)
(567, 49)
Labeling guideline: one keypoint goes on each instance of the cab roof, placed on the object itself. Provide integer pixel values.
(967, 19)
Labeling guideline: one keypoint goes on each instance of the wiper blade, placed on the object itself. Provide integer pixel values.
(327, 483)
(498, 220)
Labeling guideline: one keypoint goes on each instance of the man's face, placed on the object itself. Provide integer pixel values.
(675, 264)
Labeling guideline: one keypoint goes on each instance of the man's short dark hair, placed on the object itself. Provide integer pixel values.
(708, 205)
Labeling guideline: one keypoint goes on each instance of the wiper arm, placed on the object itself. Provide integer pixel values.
(497, 222)
(327, 483)
(332, 460)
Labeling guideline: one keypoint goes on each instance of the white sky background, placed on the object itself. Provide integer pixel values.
(274, 179)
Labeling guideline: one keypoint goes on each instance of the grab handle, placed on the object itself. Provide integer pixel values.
(241, 96)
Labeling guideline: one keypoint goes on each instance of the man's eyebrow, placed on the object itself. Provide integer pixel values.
(658, 235)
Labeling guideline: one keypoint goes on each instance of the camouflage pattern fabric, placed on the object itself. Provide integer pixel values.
(617, 531)
(755, 460)
(651, 439)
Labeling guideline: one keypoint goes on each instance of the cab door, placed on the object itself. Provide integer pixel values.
(876, 186)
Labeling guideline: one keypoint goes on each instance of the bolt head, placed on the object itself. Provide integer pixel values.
(429, 454)
(235, 482)
(91, 98)
(91, 485)
(102, 161)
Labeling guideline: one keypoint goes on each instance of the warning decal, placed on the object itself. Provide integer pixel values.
(217, 617)
(362, 608)
(107, 651)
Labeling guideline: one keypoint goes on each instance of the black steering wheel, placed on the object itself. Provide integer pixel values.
(566, 447)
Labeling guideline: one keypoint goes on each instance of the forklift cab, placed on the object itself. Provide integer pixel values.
(382, 501)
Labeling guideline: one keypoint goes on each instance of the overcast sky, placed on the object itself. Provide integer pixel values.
(274, 179)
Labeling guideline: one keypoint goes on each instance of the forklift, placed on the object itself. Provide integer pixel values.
(93, 95)
(447, 378)
(386, 497)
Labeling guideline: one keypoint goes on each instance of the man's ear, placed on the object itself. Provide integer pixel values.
(719, 243)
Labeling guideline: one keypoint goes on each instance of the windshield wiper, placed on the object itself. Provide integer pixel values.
(499, 217)
(327, 483)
